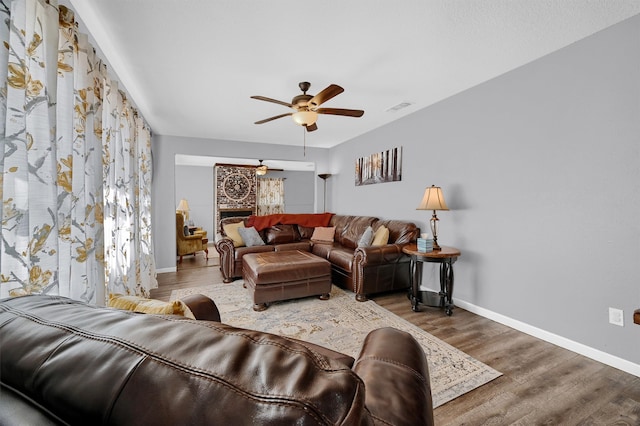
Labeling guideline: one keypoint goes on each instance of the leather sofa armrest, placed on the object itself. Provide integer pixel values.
(376, 255)
(394, 369)
(202, 307)
(225, 248)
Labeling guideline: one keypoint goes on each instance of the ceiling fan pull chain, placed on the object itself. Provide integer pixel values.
(304, 141)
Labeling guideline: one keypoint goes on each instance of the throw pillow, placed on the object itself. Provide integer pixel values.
(381, 236)
(323, 234)
(149, 306)
(231, 230)
(250, 237)
(367, 237)
(185, 231)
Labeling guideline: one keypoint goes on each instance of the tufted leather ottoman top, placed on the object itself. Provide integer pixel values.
(283, 266)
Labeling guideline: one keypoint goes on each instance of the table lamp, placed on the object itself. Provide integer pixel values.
(183, 208)
(433, 200)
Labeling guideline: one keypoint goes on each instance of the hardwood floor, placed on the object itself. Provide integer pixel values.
(542, 384)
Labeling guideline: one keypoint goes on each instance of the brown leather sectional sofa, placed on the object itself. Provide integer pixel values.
(363, 270)
(66, 362)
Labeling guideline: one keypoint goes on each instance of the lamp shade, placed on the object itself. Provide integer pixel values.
(305, 118)
(183, 206)
(433, 199)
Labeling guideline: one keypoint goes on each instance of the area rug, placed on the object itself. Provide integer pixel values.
(341, 324)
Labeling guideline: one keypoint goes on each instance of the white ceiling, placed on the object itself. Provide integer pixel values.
(191, 66)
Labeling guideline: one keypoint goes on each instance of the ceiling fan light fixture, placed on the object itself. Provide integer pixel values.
(305, 118)
(261, 170)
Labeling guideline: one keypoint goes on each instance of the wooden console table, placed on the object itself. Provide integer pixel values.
(446, 257)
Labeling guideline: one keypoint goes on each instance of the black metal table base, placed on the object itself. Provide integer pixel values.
(442, 299)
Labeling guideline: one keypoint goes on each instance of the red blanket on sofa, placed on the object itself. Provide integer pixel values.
(303, 219)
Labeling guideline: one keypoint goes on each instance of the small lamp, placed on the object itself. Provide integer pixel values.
(433, 200)
(183, 208)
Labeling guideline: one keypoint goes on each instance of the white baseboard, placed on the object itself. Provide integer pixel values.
(163, 270)
(589, 352)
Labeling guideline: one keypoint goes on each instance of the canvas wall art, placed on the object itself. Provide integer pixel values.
(385, 166)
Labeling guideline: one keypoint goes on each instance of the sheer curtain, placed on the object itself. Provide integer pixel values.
(270, 196)
(75, 163)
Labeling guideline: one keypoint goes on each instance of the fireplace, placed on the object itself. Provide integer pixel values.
(224, 213)
(239, 212)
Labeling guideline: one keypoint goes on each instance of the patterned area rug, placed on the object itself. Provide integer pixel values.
(341, 324)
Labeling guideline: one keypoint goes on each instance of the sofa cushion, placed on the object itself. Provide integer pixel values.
(148, 306)
(341, 257)
(250, 236)
(322, 249)
(401, 232)
(305, 232)
(323, 234)
(298, 245)
(353, 230)
(381, 236)
(231, 231)
(281, 234)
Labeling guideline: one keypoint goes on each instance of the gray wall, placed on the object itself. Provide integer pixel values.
(195, 183)
(299, 194)
(540, 168)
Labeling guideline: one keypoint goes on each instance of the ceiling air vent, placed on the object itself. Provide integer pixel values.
(399, 107)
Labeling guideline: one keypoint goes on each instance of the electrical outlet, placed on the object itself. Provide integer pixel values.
(616, 317)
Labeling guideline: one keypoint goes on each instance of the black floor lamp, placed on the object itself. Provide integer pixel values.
(324, 177)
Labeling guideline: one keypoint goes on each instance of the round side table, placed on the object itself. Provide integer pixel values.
(446, 257)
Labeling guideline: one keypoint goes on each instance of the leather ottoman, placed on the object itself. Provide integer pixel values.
(283, 275)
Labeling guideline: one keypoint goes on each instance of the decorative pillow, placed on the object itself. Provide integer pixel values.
(231, 231)
(250, 237)
(381, 236)
(367, 237)
(149, 306)
(185, 231)
(323, 234)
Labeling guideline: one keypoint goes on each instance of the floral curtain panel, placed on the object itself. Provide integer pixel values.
(75, 162)
(270, 196)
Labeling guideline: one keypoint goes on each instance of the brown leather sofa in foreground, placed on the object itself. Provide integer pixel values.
(363, 270)
(66, 362)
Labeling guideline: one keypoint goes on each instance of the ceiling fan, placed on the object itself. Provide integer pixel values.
(262, 169)
(307, 107)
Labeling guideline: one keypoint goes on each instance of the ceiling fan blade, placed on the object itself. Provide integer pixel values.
(275, 101)
(322, 97)
(273, 118)
(341, 111)
(311, 127)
